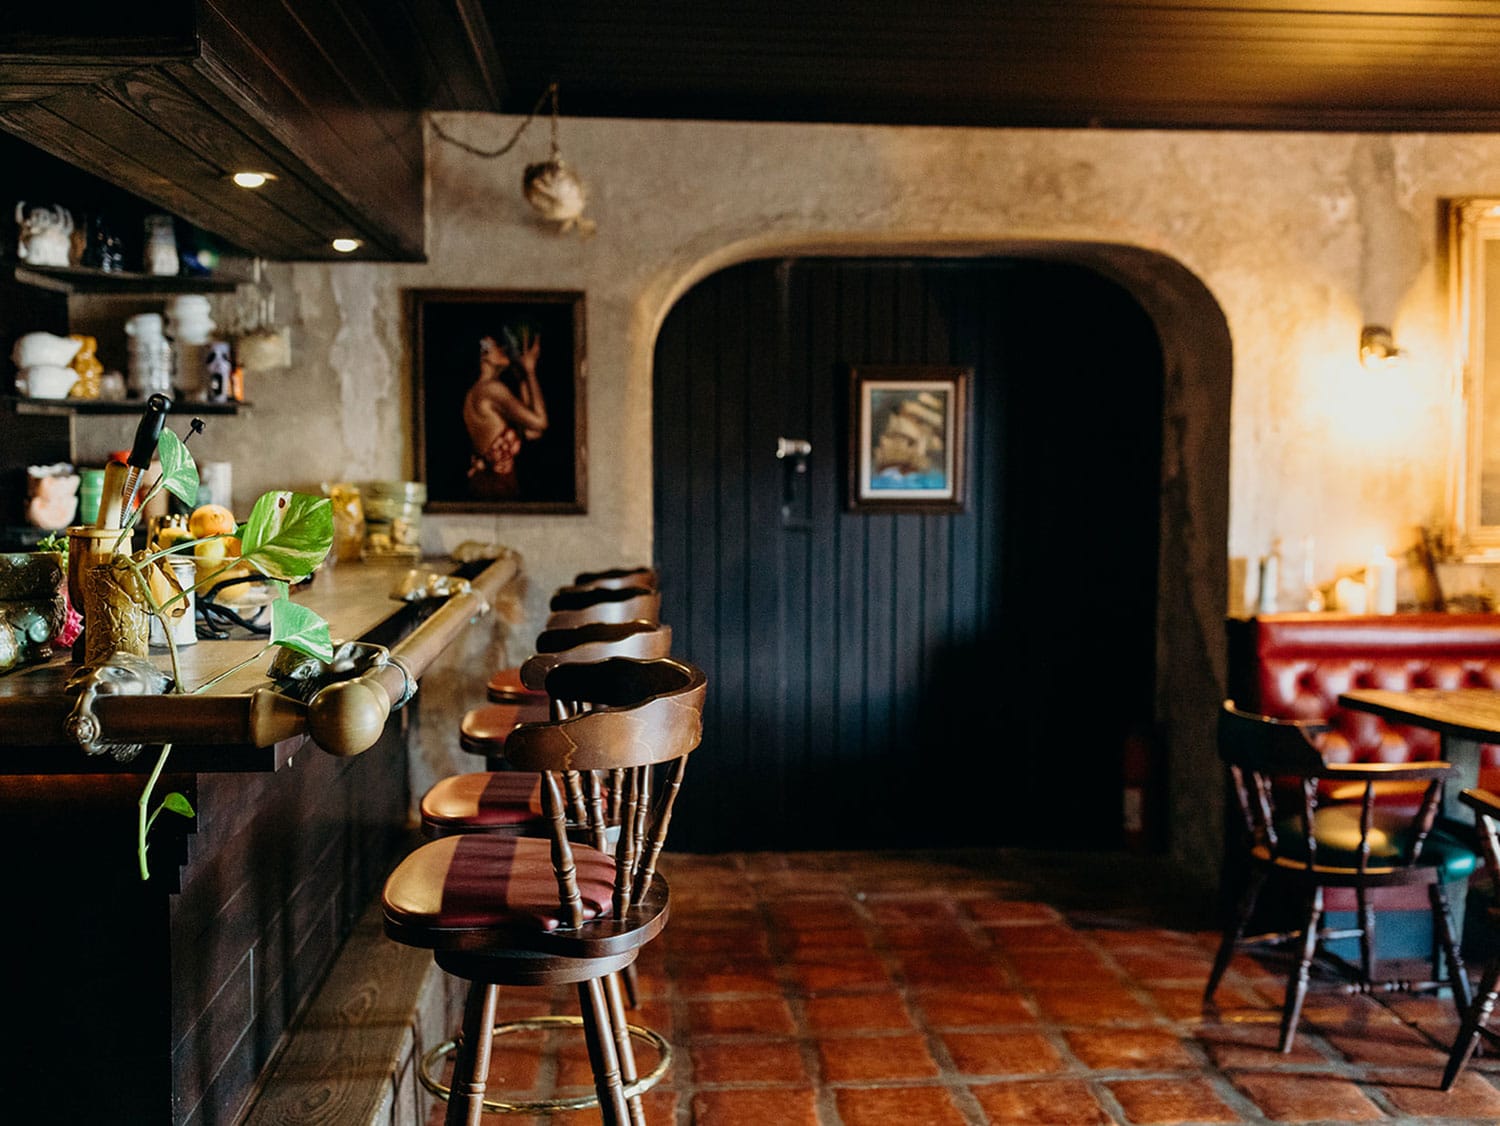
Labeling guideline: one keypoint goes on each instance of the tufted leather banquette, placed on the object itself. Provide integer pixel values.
(1293, 666)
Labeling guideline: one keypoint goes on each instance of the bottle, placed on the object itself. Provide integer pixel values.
(1270, 579)
(161, 246)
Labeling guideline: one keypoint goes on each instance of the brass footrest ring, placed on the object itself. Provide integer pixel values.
(543, 1106)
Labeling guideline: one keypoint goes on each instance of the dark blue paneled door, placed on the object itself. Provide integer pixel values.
(910, 680)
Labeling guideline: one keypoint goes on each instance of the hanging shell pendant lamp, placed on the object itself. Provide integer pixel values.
(553, 189)
(550, 186)
(557, 194)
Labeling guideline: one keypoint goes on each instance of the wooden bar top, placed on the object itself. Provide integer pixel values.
(241, 723)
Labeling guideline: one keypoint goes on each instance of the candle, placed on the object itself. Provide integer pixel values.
(1349, 596)
(1380, 583)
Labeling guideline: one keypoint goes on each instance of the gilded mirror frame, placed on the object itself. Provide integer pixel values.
(1474, 297)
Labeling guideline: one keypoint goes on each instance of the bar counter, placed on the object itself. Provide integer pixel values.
(162, 1001)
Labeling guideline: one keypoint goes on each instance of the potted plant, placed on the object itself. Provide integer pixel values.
(284, 539)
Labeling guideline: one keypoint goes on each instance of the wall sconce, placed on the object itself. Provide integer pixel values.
(1377, 346)
(552, 188)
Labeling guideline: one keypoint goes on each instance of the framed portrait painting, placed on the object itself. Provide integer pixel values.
(906, 438)
(498, 380)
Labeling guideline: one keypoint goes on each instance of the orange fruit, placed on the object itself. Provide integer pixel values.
(211, 520)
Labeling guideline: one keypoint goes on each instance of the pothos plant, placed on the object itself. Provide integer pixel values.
(285, 538)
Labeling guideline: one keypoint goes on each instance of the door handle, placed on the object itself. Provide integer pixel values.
(793, 454)
(798, 449)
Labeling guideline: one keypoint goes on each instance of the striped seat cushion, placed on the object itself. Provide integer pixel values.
(501, 799)
(483, 730)
(483, 881)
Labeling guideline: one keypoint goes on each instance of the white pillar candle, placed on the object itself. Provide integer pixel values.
(1349, 596)
(1380, 583)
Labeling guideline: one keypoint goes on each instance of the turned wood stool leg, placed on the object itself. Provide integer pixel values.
(603, 1057)
(471, 1066)
(613, 994)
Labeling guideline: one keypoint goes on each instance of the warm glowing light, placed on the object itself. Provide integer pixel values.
(347, 245)
(252, 179)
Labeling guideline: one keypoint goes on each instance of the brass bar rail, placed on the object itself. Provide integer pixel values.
(343, 718)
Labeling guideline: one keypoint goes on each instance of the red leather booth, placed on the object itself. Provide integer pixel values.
(1294, 666)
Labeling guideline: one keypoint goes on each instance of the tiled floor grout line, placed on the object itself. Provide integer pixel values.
(784, 903)
(949, 1076)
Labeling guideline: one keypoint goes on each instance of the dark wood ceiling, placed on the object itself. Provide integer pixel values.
(1227, 64)
(167, 99)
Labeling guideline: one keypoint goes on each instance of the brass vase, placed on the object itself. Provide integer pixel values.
(115, 615)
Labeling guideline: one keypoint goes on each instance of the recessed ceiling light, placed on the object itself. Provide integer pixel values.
(347, 245)
(252, 179)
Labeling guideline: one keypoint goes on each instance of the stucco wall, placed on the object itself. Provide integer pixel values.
(1298, 238)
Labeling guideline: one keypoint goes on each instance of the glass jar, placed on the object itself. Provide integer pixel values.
(393, 518)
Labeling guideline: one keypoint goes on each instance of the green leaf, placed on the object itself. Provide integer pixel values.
(177, 803)
(288, 534)
(179, 473)
(301, 629)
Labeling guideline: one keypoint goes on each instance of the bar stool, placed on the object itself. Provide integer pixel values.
(618, 604)
(505, 686)
(507, 800)
(505, 910)
(482, 730)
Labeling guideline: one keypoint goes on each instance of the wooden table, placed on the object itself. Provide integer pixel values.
(1463, 717)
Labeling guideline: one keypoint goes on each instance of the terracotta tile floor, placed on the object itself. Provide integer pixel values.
(904, 989)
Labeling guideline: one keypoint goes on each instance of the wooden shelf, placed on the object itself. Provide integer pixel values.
(180, 407)
(79, 279)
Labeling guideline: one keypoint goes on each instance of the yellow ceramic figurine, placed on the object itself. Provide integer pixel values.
(88, 367)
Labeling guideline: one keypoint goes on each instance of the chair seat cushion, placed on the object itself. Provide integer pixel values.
(482, 881)
(506, 687)
(1336, 829)
(502, 799)
(483, 730)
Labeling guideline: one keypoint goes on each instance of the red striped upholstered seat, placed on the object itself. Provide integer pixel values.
(484, 801)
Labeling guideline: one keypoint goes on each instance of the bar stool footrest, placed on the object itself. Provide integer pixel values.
(544, 1106)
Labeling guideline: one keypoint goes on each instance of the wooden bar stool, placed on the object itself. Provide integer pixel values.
(617, 576)
(482, 730)
(503, 800)
(505, 686)
(504, 910)
(619, 604)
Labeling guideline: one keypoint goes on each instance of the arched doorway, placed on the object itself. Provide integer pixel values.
(913, 680)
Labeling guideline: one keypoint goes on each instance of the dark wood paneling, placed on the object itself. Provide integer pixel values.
(1419, 64)
(319, 95)
(884, 680)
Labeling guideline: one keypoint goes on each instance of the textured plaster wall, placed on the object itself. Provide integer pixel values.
(1297, 239)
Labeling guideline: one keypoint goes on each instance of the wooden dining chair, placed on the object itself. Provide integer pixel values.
(1486, 807)
(501, 910)
(1294, 834)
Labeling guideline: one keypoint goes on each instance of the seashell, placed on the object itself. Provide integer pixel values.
(558, 195)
